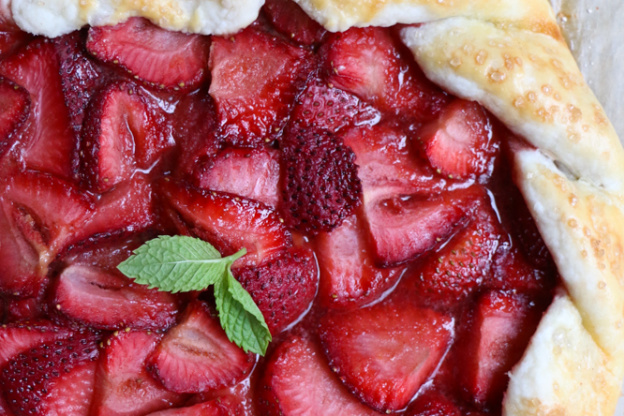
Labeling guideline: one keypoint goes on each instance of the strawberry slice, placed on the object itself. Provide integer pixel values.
(108, 300)
(123, 385)
(14, 110)
(250, 173)
(386, 352)
(290, 20)
(348, 275)
(160, 58)
(432, 403)
(403, 228)
(464, 264)
(52, 377)
(366, 62)
(502, 326)
(127, 208)
(387, 163)
(255, 77)
(323, 107)
(228, 222)
(283, 286)
(223, 406)
(47, 142)
(461, 143)
(196, 355)
(40, 216)
(123, 131)
(24, 309)
(320, 183)
(298, 381)
(195, 132)
(80, 76)
(19, 337)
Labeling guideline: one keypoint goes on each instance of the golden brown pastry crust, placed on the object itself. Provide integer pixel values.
(508, 55)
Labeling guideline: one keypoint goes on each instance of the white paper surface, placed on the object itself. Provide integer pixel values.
(594, 30)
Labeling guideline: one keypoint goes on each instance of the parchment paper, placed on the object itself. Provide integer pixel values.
(594, 30)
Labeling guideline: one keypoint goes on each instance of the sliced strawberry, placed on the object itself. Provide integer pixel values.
(195, 132)
(20, 337)
(283, 286)
(348, 275)
(123, 131)
(197, 356)
(291, 21)
(403, 228)
(298, 381)
(11, 36)
(387, 163)
(125, 208)
(47, 142)
(322, 107)
(250, 173)
(464, 264)
(367, 63)
(320, 183)
(80, 76)
(108, 300)
(386, 352)
(223, 406)
(255, 77)
(161, 58)
(229, 223)
(432, 403)
(123, 385)
(461, 143)
(24, 309)
(40, 216)
(502, 326)
(14, 110)
(52, 377)
(4, 407)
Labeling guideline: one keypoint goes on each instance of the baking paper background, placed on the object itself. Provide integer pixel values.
(594, 30)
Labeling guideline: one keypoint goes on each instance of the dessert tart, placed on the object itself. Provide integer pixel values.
(429, 195)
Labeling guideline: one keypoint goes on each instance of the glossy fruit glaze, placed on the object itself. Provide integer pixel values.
(395, 262)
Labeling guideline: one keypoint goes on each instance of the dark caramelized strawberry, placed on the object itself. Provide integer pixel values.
(320, 183)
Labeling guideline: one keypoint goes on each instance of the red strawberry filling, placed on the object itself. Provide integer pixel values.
(388, 250)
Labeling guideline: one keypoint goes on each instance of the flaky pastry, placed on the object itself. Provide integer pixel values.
(509, 56)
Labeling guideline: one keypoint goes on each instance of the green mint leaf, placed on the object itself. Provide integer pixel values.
(177, 264)
(240, 317)
(182, 264)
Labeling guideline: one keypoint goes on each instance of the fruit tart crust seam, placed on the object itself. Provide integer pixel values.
(512, 59)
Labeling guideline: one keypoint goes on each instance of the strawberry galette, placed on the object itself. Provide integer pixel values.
(420, 201)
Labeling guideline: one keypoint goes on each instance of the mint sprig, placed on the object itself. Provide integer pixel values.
(182, 264)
